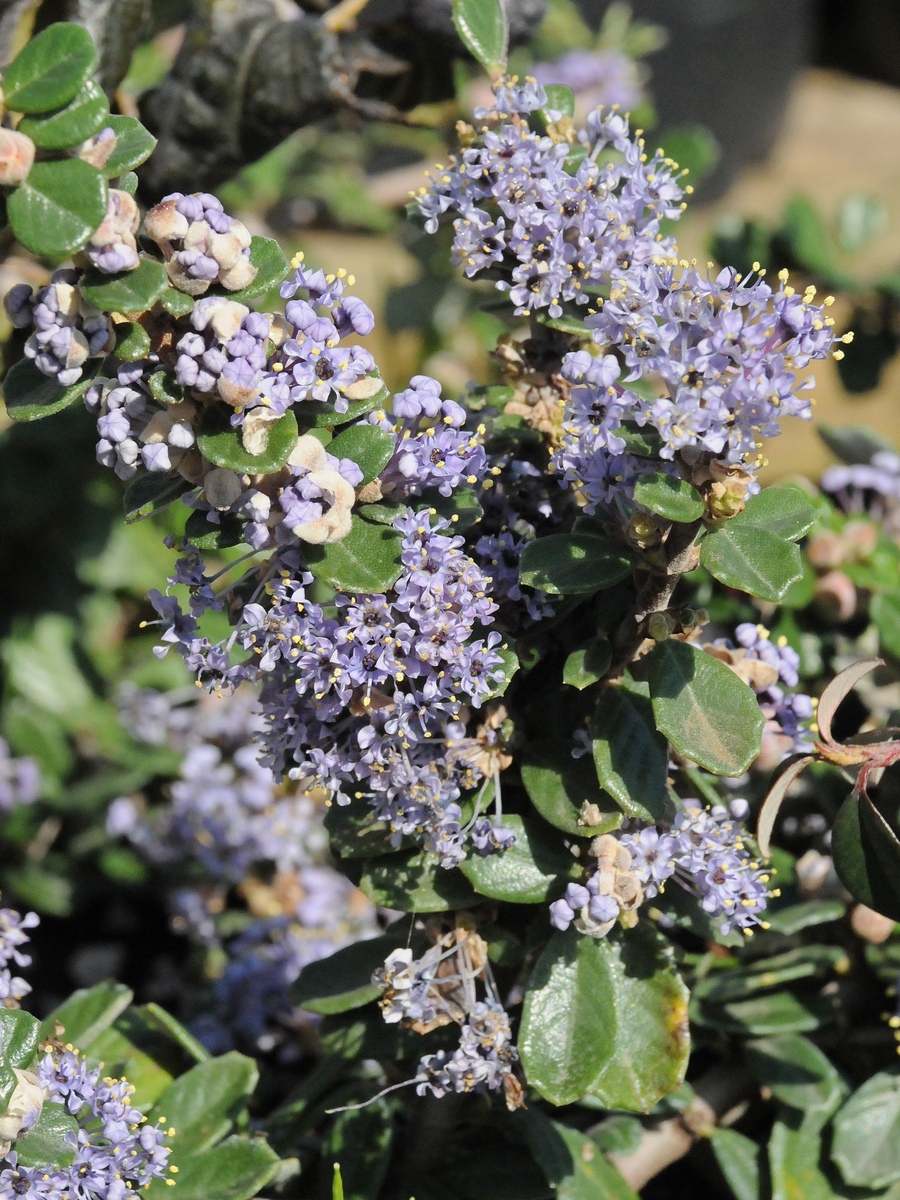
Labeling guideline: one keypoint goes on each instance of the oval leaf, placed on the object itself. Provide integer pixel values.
(631, 756)
(670, 497)
(414, 882)
(369, 447)
(751, 559)
(46, 1144)
(87, 1013)
(782, 510)
(236, 1169)
(206, 535)
(129, 291)
(50, 69)
(570, 563)
(30, 394)
(72, 125)
(588, 664)
(367, 560)
(866, 1144)
(483, 27)
(343, 981)
(55, 211)
(567, 1034)
(525, 872)
(706, 712)
(220, 442)
(201, 1105)
(867, 855)
(134, 145)
(559, 786)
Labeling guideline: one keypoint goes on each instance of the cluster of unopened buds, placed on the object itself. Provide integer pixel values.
(612, 892)
(201, 243)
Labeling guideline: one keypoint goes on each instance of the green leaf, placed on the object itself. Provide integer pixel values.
(797, 917)
(808, 237)
(483, 27)
(461, 508)
(631, 757)
(271, 267)
(132, 341)
(706, 712)
(564, 324)
(50, 69)
(128, 183)
(202, 1105)
(694, 148)
(165, 388)
(69, 126)
(558, 785)
(885, 612)
(867, 855)
(414, 882)
(314, 415)
(560, 99)
(795, 1152)
(236, 1169)
(343, 981)
(143, 1049)
(740, 1160)
(588, 664)
(525, 872)
(786, 511)
(381, 514)
(572, 1163)
(128, 292)
(31, 395)
(366, 561)
(798, 1075)
(618, 1134)
(866, 1145)
(568, 563)
(134, 145)
(45, 1144)
(355, 834)
(161, 1021)
(361, 1142)
(568, 1027)
(337, 1184)
(751, 559)
(19, 1039)
(675, 499)
(762, 1016)
(641, 440)
(369, 447)
(220, 442)
(206, 536)
(649, 1005)
(151, 493)
(176, 303)
(55, 211)
(87, 1013)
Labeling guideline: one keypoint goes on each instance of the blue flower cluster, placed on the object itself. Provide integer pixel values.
(67, 331)
(201, 243)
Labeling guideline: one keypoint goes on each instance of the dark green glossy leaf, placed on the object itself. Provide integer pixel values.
(369, 447)
(55, 211)
(706, 712)
(461, 508)
(236, 1169)
(752, 559)
(206, 536)
(525, 872)
(87, 1013)
(798, 1075)
(161, 1021)
(381, 514)
(176, 303)
(343, 981)
(80, 119)
(631, 757)
(885, 612)
(573, 1164)
(366, 561)
(19, 1038)
(672, 498)
(867, 855)
(222, 443)
(652, 1042)
(483, 28)
(740, 1160)
(558, 785)
(356, 834)
(152, 492)
(31, 395)
(128, 292)
(866, 1145)
(588, 664)
(796, 917)
(568, 1027)
(761, 1016)
(143, 1049)
(766, 974)
(312, 414)
(132, 341)
(569, 563)
(786, 511)
(271, 267)
(414, 882)
(201, 1105)
(134, 145)
(50, 69)
(45, 1144)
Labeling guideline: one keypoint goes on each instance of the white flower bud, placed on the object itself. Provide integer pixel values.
(16, 157)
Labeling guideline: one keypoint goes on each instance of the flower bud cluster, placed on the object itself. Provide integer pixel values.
(112, 247)
(201, 244)
(226, 351)
(612, 889)
(67, 331)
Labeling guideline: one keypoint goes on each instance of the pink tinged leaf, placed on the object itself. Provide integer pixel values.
(772, 802)
(837, 690)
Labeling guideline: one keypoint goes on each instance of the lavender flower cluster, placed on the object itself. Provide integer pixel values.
(872, 487)
(67, 331)
(201, 243)
(705, 851)
(12, 938)
(606, 77)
